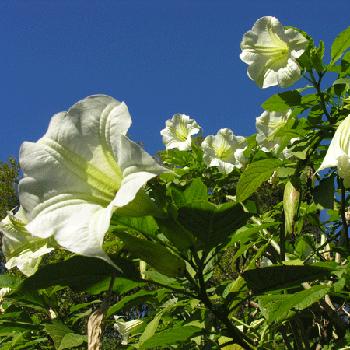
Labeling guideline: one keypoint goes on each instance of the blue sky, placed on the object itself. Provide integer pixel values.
(160, 57)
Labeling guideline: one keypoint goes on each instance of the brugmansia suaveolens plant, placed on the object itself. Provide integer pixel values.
(218, 242)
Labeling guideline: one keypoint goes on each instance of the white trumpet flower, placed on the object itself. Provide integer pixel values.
(271, 52)
(179, 131)
(125, 327)
(224, 150)
(267, 125)
(338, 153)
(81, 171)
(20, 249)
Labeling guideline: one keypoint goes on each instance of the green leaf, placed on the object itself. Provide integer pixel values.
(340, 44)
(250, 232)
(196, 191)
(57, 330)
(324, 193)
(78, 272)
(71, 340)
(283, 276)
(144, 224)
(255, 174)
(154, 254)
(282, 101)
(279, 307)
(136, 297)
(10, 281)
(152, 326)
(178, 235)
(157, 277)
(211, 223)
(172, 336)
(9, 328)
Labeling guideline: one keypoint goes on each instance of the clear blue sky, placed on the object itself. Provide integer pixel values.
(160, 57)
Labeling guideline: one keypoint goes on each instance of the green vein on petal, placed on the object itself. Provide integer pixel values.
(101, 182)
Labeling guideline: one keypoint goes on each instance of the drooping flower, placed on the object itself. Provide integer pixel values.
(338, 153)
(81, 171)
(179, 131)
(267, 126)
(224, 150)
(271, 52)
(125, 327)
(20, 249)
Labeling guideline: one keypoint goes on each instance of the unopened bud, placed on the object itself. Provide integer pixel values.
(290, 206)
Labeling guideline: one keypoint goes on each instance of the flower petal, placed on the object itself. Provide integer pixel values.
(344, 169)
(137, 167)
(289, 74)
(19, 247)
(76, 224)
(297, 42)
(340, 145)
(28, 261)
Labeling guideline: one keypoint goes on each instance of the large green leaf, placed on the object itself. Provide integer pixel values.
(211, 223)
(340, 44)
(283, 101)
(279, 307)
(283, 276)
(196, 191)
(72, 340)
(177, 234)
(171, 336)
(255, 174)
(78, 272)
(57, 330)
(154, 254)
(144, 224)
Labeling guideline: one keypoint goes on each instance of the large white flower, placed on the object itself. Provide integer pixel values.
(267, 125)
(82, 170)
(125, 327)
(338, 153)
(179, 131)
(271, 52)
(20, 249)
(224, 150)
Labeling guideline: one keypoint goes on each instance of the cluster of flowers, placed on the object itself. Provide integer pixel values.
(226, 150)
(85, 168)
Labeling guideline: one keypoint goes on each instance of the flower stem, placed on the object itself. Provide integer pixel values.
(239, 337)
(317, 85)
